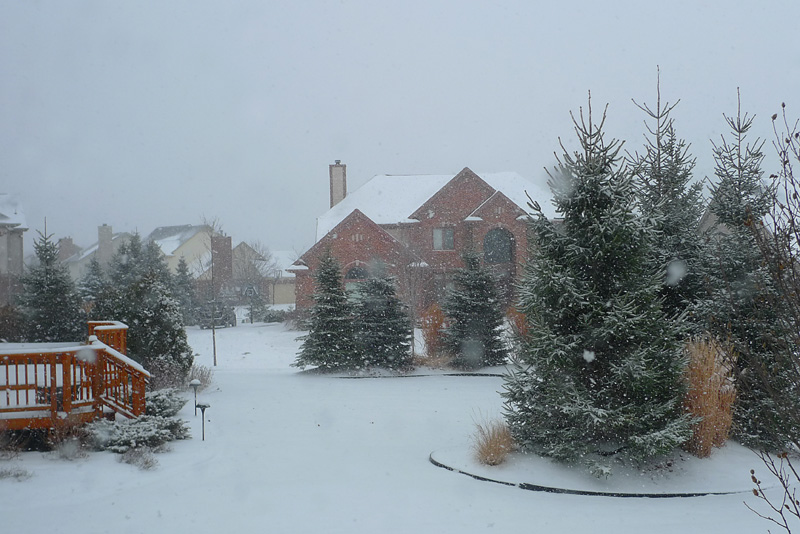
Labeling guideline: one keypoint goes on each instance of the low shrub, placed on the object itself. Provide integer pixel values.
(710, 395)
(164, 402)
(202, 373)
(166, 374)
(147, 431)
(141, 457)
(15, 473)
(274, 316)
(492, 442)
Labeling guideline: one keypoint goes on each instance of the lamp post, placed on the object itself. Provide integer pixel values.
(194, 384)
(203, 413)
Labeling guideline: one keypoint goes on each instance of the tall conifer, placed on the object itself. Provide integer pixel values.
(330, 344)
(600, 369)
(50, 302)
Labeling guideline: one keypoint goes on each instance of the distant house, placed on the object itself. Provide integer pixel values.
(416, 228)
(190, 242)
(12, 226)
(108, 243)
(281, 279)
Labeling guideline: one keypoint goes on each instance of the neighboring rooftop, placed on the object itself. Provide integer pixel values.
(170, 238)
(11, 214)
(390, 199)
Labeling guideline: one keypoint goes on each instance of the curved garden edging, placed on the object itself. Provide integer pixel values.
(582, 492)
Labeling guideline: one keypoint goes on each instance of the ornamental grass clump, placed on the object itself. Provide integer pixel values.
(492, 442)
(710, 396)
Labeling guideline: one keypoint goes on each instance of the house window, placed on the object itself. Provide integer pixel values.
(353, 280)
(443, 239)
(357, 238)
(498, 246)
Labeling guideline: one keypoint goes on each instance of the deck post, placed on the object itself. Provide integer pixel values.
(66, 381)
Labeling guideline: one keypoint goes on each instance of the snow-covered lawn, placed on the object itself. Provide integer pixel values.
(287, 452)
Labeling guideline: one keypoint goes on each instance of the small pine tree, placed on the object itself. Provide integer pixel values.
(50, 302)
(383, 328)
(185, 292)
(744, 306)
(601, 368)
(330, 344)
(474, 334)
(93, 282)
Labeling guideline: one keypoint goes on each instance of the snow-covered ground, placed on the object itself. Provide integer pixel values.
(288, 452)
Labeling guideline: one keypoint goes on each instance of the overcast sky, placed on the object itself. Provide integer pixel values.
(149, 113)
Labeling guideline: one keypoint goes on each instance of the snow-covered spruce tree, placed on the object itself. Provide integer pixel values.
(185, 293)
(601, 368)
(744, 305)
(140, 296)
(663, 175)
(383, 329)
(93, 282)
(50, 302)
(330, 344)
(474, 332)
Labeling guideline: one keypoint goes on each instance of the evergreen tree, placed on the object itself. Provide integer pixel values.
(50, 302)
(185, 292)
(383, 328)
(744, 305)
(330, 343)
(663, 174)
(475, 320)
(93, 282)
(140, 295)
(601, 369)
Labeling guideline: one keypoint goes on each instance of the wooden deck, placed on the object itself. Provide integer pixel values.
(47, 385)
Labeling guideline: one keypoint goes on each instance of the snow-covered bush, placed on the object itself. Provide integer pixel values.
(146, 431)
(164, 402)
(141, 457)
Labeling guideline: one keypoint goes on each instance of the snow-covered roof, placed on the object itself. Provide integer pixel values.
(92, 249)
(283, 260)
(11, 214)
(170, 238)
(390, 199)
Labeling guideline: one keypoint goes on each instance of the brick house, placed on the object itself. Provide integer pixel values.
(418, 226)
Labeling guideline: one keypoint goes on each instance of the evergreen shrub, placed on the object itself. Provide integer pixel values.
(146, 431)
(164, 402)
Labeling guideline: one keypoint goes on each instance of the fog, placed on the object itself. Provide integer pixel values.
(150, 113)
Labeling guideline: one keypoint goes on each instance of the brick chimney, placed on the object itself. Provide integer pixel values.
(104, 248)
(338, 176)
(222, 256)
(66, 248)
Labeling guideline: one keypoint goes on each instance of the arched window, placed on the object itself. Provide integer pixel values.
(353, 279)
(498, 246)
(356, 273)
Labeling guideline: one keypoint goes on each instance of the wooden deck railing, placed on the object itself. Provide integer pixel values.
(42, 388)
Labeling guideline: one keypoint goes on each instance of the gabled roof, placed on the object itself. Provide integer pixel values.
(91, 249)
(391, 199)
(356, 217)
(11, 214)
(170, 238)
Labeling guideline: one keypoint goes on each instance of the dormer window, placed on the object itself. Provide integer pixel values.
(443, 239)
